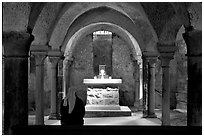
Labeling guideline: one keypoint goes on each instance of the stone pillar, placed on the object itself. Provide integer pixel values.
(166, 54)
(39, 93)
(67, 67)
(54, 62)
(60, 85)
(165, 92)
(145, 80)
(137, 84)
(15, 55)
(64, 78)
(151, 87)
(193, 39)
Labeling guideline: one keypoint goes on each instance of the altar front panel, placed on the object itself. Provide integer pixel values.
(101, 96)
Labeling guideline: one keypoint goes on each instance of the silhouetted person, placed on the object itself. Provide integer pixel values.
(72, 109)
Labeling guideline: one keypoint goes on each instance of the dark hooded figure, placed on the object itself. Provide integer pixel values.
(72, 109)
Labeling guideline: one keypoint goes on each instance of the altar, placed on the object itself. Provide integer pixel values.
(103, 96)
(102, 91)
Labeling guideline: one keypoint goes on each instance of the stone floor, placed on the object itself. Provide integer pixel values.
(125, 120)
(178, 118)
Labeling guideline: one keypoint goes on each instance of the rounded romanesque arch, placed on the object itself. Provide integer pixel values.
(71, 11)
(110, 16)
(134, 46)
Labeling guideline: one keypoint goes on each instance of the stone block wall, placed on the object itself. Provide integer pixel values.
(82, 67)
(123, 68)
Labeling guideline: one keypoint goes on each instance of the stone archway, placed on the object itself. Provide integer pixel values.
(128, 38)
(146, 38)
(143, 37)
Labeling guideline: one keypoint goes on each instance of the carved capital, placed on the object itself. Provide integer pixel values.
(166, 53)
(165, 61)
(166, 49)
(54, 57)
(54, 60)
(151, 59)
(39, 57)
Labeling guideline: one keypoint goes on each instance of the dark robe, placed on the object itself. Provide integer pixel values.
(74, 118)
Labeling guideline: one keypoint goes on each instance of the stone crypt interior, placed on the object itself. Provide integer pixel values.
(132, 62)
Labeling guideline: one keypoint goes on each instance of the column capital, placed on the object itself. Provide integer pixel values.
(16, 44)
(54, 57)
(39, 57)
(150, 59)
(167, 52)
(165, 61)
(150, 55)
(54, 60)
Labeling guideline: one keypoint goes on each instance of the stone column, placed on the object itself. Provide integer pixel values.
(54, 62)
(151, 87)
(67, 67)
(166, 55)
(165, 91)
(15, 58)
(39, 94)
(60, 85)
(137, 83)
(193, 39)
(64, 78)
(145, 79)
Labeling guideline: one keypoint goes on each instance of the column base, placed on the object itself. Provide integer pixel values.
(149, 116)
(54, 116)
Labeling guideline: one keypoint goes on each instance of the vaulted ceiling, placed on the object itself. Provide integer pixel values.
(54, 24)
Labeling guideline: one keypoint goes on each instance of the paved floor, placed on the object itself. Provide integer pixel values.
(135, 119)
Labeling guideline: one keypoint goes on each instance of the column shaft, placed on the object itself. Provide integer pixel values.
(165, 93)
(68, 64)
(39, 96)
(64, 79)
(53, 89)
(60, 86)
(137, 84)
(145, 79)
(67, 77)
(54, 63)
(151, 89)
